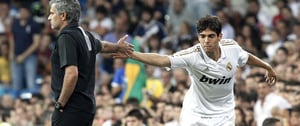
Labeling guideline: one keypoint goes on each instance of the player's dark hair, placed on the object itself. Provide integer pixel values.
(211, 22)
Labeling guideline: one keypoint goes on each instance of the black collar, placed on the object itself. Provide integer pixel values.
(71, 25)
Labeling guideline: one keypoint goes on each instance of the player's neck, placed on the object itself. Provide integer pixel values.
(215, 55)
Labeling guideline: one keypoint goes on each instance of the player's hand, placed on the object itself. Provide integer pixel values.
(120, 56)
(125, 47)
(271, 77)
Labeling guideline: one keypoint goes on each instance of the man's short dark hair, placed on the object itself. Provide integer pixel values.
(211, 22)
(102, 10)
(270, 121)
(132, 101)
(135, 113)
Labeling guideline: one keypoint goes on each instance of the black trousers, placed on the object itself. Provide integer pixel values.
(72, 118)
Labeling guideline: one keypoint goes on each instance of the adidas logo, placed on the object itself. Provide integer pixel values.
(219, 81)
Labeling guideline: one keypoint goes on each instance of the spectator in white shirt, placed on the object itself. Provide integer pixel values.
(267, 100)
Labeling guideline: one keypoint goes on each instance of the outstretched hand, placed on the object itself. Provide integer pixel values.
(271, 77)
(125, 48)
(120, 56)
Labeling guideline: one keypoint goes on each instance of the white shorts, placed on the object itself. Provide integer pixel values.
(193, 119)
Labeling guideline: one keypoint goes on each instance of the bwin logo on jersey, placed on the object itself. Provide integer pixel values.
(208, 80)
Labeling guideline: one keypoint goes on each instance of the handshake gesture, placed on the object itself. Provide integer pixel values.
(125, 49)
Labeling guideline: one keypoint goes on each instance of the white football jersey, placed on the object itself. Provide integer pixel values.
(211, 90)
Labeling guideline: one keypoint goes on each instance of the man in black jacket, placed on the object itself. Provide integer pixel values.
(73, 65)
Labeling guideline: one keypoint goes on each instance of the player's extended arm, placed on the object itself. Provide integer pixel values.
(270, 75)
(152, 59)
(120, 47)
(253, 60)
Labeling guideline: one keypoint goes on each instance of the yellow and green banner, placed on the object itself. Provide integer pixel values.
(135, 75)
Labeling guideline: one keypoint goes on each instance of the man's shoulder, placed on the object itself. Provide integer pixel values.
(70, 29)
(68, 32)
(195, 48)
(73, 33)
(273, 97)
(66, 36)
(227, 42)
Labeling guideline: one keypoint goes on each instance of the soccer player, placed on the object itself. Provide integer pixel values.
(211, 65)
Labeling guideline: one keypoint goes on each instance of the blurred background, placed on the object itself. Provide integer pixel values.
(270, 29)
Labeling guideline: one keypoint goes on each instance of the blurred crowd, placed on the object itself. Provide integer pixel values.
(270, 29)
